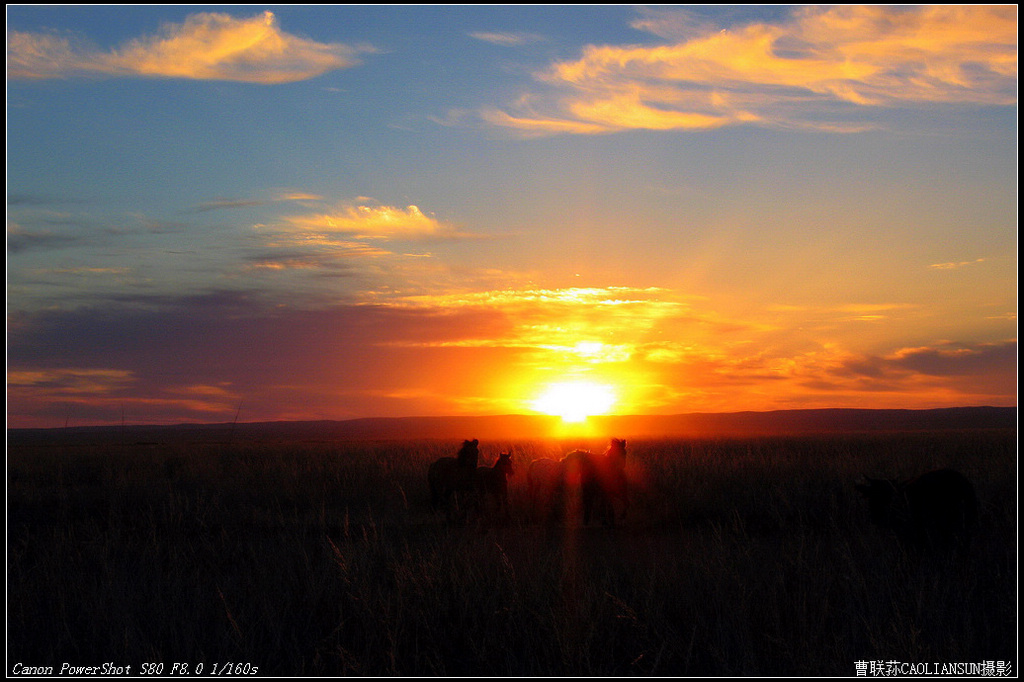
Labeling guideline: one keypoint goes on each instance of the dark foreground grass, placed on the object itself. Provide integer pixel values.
(740, 557)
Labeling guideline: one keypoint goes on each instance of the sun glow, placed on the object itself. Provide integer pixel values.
(574, 401)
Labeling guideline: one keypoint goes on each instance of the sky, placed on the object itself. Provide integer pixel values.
(262, 213)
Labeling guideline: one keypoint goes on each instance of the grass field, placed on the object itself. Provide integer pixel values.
(739, 557)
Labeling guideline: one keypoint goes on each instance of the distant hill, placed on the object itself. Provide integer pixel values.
(513, 427)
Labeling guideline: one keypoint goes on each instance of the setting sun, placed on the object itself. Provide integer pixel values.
(574, 401)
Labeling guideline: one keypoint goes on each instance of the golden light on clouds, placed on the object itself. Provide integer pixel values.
(822, 57)
(372, 222)
(654, 300)
(541, 124)
(654, 348)
(630, 111)
(206, 46)
(563, 328)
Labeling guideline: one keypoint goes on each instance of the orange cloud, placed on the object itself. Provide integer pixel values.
(373, 222)
(663, 351)
(70, 381)
(207, 46)
(613, 335)
(540, 125)
(485, 351)
(786, 74)
(206, 391)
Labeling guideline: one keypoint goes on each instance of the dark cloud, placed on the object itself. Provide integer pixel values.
(332, 262)
(343, 359)
(947, 360)
(960, 360)
(46, 230)
(21, 241)
(21, 199)
(979, 371)
(222, 204)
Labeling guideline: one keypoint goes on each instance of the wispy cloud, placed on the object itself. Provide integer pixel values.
(84, 271)
(71, 381)
(207, 46)
(20, 240)
(812, 71)
(933, 376)
(959, 359)
(506, 38)
(985, 370)
(574, 326)
(222, 204)
(373, 222)
(279, 197)
(956, 265)
(78, 395)
(335, 257)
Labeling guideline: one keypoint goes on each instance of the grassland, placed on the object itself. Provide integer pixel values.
(739, 557)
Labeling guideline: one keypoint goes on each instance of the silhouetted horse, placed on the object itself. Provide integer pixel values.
(544, 482)
(605, 483)
(600, 479)
(937, 510)
(492, 482)
(452, 477)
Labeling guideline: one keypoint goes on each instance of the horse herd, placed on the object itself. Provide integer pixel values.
(937, 509)
(590, 483)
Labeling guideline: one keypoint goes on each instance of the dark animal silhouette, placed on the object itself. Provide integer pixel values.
(604, 484)
(938, 510)
(544, 481)
(492, 482)
(453, 477)
(599, 481)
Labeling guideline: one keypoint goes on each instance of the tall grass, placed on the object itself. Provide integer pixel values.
(745, 557)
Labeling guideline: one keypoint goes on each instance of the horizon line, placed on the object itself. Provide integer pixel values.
(555, 418)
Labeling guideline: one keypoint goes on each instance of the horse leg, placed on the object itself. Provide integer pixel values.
(607, 509)
(588, 504)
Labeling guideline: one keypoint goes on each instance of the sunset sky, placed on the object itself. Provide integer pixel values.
(330, 212)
